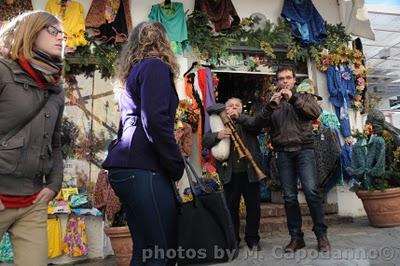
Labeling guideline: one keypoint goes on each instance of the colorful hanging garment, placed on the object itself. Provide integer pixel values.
(104, 197)
(327, 157)
(110, 19)
(329, 119)
(368, 159)
(6, 251)
(307, 24)
(173, 19)
(207, 90)
(196, 105)
(221, 13)
(13, 9)
(341, 89)
(183, 136)
(54, 238)
(75, 239)
(73, 20)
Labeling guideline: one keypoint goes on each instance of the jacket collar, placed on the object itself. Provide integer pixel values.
(20, 76)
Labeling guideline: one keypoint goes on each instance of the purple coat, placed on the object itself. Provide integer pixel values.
(148, 105)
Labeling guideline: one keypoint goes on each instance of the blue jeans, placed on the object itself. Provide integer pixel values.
(151, 210)
(301, 165)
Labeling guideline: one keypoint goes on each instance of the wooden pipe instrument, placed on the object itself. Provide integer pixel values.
(239, 145)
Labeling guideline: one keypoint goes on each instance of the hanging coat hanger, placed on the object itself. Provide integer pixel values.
(190, 69)
(166, 4)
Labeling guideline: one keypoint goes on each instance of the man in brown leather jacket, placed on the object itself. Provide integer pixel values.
(289, 114)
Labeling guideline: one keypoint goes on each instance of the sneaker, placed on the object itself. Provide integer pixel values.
(294, 245)
(323, 244)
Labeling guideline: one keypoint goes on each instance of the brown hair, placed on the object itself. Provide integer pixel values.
(147, 39)
(17, 38)
(285, 68)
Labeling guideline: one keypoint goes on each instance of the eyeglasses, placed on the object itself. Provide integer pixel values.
(285, 78)
(53, 31)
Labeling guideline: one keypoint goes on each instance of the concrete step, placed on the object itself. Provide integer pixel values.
(269, 225)
(278, 210)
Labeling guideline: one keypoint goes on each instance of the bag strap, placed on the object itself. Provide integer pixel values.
(192, 176)
(27, 119)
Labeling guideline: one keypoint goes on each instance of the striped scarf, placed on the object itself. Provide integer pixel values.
(49, 67)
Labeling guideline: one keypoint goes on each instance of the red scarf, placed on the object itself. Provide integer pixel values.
(24, 63)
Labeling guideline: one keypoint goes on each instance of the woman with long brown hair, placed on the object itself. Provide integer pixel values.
(146, 158)
(31, 108)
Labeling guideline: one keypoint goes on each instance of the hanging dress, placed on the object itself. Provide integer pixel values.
(341, 89)
(221, 13)
(73, 21)
(173, 19)
(306, 23)
(110, 19)
(368, 159)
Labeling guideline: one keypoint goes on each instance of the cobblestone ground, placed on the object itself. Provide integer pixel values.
(352, 244)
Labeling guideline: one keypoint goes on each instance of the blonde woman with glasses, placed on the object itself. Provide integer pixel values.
(31, 108)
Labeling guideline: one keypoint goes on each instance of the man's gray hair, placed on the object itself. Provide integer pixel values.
(235, 99)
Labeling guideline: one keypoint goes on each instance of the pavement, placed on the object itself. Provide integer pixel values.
(354, 243)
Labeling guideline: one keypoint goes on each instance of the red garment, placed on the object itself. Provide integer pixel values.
(202, 78)
(24, 63)
(17, 201)
(220, 12)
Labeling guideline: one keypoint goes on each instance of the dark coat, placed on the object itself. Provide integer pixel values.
(249, 137)
(148, 105)
(35, 151)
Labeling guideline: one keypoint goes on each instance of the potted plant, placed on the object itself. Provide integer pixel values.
(376, 169)
(120, 237)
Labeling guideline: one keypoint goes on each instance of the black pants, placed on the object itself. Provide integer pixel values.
(239, 185)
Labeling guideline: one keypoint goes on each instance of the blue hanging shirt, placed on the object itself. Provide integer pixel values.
(307, 24)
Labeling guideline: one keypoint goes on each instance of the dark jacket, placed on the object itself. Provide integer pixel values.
(35, 151)
(289, 123)
(249, 137)
(148, 105)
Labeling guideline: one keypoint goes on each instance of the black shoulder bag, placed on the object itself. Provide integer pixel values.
(205, 226)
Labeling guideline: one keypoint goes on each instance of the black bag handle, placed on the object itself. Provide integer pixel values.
(193, 178)
(27, 119)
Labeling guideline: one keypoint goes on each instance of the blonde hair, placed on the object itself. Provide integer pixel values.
(18, 37)
(147, 39)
